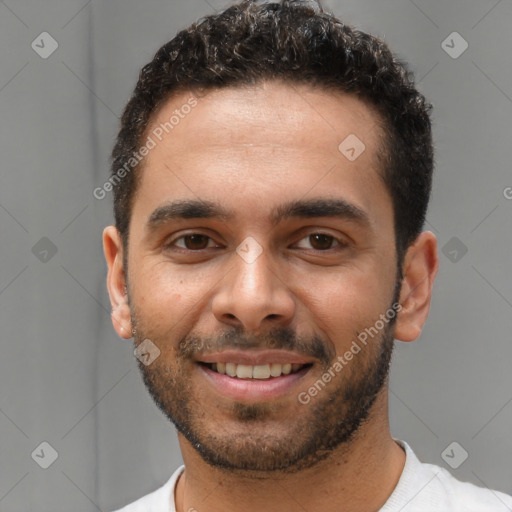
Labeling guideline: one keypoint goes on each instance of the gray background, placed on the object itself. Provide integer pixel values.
(67, 379)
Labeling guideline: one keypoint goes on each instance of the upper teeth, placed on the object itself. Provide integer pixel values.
(261, 371)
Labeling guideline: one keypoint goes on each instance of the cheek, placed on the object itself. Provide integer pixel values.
(166, 302)
(342, 304)
(159, 287)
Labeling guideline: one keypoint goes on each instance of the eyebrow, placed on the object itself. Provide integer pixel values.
(311, 208)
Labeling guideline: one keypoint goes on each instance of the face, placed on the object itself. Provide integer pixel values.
(258, 255)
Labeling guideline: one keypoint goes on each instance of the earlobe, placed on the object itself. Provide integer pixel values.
(121, 321)
(116, 282)
(420, 267)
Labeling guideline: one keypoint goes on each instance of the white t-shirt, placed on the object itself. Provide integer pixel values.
(421, 488)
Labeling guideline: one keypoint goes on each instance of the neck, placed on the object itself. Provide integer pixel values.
(358, 477)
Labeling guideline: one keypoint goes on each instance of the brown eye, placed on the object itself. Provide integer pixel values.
(321, 242)
(195, 242)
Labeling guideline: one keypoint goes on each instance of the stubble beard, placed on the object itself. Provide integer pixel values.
(255, 442)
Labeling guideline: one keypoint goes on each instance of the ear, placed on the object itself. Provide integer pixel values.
(420, 267)
(116, 282)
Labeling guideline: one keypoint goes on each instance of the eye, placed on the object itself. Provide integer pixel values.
(198, 242)
(323, 242)
(191, 242)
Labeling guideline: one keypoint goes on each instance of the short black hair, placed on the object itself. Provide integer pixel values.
(298, 43)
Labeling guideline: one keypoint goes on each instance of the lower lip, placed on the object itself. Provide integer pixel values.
(253, 389)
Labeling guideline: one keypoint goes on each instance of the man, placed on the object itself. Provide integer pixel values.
(271, 180)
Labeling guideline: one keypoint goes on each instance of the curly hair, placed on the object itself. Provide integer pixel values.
(297, 43)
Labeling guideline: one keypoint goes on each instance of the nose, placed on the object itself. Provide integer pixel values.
(253, 296)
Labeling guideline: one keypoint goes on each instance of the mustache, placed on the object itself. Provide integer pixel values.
(278, 339)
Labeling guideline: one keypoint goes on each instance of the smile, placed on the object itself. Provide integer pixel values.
(261, 371)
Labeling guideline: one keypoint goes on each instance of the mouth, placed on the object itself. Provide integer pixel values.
(254, 375)
(260, 371)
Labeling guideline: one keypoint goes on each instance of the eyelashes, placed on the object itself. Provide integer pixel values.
(197, 242)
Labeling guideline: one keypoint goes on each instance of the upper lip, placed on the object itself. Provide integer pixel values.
(254, 357)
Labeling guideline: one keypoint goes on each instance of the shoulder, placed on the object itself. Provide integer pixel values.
(160, 500)
(428, 487)
(467, 497)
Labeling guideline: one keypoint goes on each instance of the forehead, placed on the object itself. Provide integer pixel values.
(270, 112)
(271, 140)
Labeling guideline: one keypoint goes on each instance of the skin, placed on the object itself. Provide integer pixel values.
(252, 149)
